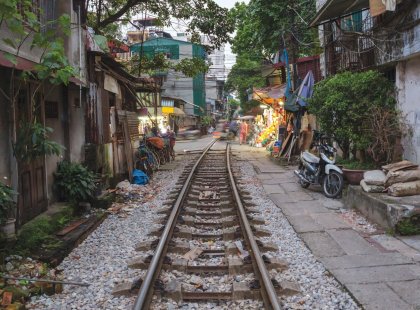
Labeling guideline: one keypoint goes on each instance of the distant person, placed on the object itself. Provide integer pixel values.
(243, 132)
(233, 127)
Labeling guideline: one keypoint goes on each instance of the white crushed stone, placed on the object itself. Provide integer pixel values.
(102, 258)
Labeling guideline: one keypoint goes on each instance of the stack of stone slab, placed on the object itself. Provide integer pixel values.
(373, 181)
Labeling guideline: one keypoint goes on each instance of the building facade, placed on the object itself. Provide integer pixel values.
(59, 107)
(362, 35)
(175, 84)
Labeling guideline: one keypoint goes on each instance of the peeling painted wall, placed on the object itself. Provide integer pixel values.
(404, 44)
(57, 124)
(408, 85)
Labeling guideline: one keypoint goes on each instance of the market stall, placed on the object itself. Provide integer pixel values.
(268, 126)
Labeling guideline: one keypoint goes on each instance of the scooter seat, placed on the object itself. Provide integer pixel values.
(310, 158)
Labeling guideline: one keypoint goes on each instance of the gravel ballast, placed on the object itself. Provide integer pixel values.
(101, 260)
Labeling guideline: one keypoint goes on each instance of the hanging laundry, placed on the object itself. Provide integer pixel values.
(390, 5)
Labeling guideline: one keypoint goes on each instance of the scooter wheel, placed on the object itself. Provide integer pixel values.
(332, 184)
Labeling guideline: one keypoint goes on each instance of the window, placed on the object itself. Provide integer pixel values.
(51, 109)
(48, 8)
(34, 8)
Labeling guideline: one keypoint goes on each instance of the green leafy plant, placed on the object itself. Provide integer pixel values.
(7, 203)
(206, 120)
(344, 104)
(204, 16)
(409, 226)
(245, 74)
(159, 64)
(73, 182)
(40, 232)
(355, 164)
(32, 141)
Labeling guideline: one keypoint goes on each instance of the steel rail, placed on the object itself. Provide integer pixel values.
(268, 292)
(145, 295)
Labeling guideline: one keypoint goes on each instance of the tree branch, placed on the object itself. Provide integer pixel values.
(113, 18)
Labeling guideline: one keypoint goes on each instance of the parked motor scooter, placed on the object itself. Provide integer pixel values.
(321, 170)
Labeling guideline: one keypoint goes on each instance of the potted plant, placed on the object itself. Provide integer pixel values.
(344, 105)
(74, 183)
(7, 210)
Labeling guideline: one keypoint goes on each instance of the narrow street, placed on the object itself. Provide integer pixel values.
(333, 258)
(212, 154)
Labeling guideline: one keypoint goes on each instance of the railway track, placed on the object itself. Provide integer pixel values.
(208, 249)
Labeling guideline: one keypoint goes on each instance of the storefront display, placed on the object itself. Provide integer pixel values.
(266, 127)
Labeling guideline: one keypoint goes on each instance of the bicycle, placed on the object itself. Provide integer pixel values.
(157, 145)
(147, 160)
(168, 150)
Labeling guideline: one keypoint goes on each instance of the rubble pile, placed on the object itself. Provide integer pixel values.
(398, 179)
(17, 285)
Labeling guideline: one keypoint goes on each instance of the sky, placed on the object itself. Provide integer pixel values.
(228, 3)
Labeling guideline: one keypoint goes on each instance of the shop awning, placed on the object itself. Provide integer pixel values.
(178, 112)
(274, 92)
(269, 95)
(336, 8)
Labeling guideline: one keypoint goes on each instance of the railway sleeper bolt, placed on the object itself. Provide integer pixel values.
(247, 259)
(167, 260)
(255, 285)
(159, 285)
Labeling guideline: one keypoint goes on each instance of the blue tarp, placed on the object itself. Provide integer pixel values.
(139, 177)
(285, 58)
(306, 89)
